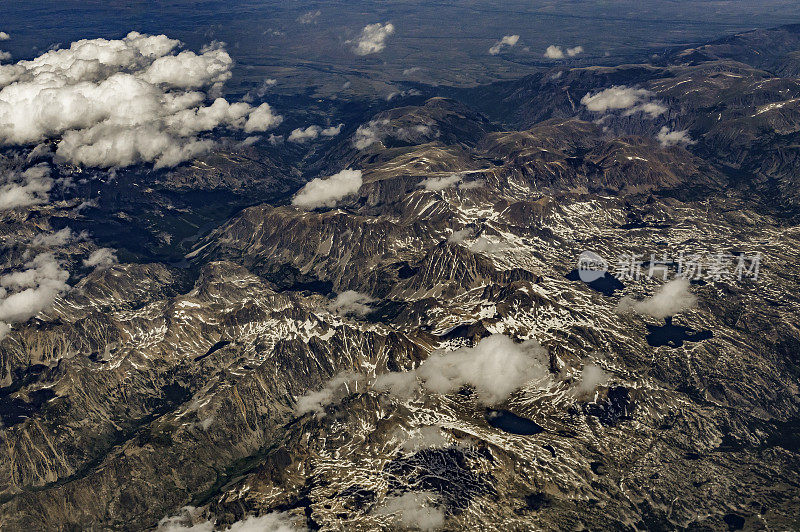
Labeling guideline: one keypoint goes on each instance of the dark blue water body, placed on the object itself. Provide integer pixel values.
(639, 224)
(14, 410)
(674, 335)
(512, 423)
(216, 347)
(606, 285)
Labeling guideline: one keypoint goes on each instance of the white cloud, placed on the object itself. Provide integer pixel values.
(653, 109)
(271, 522)
(351, 302)
(484, 245)
(316, 401)
(672, 298)
(400, 384)
(461, 235)
(414, 510)
(189, 521)
(122, 102)
(261, 91)
(572, 52)
(372, 39)
(331, 131)
(57, 239)
(495, 367)
(507, 40)
(301, 135)
(101, 258)
(591, 377)
(378, 130)
(23, 189)
(472, 185)
(5, 56)
(325, 192)
(622, 97)
(33, 289)
(670, 138)
(188, 70)
(440, 183)
(4, 36)
(249, 141)
(309, 17)
(369, 134)
(554, 52)
(428, 437)
(262, 119)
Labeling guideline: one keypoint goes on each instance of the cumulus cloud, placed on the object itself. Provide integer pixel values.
(122, 102)
(414, 510)
(5, 56)
(495, 367)
(331, 131)
(507, 40)
(325, 192)
(672, 298)
(301, 135)
(668, 137)
(621, 97)
(23, 189)
(316, 401)
(379, 130)
(189, 520)
(309, 17)
(617, 97)
(101, 258)
(575, 50)
(262, 118)
(440, 183)
(25, 293)
(372, 39)
(351, 302)
(554, 52)
(4, 36)
(591, 377)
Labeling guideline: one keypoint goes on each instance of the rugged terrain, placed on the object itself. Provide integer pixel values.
(173, 379)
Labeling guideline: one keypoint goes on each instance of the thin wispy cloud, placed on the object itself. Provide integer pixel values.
(507, 41)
